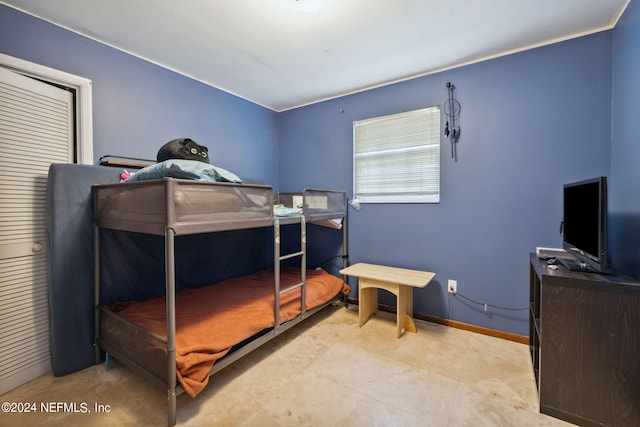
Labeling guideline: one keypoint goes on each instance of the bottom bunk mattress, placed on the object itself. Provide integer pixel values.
(212, 319)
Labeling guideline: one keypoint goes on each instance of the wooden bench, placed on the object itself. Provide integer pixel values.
(398, 281)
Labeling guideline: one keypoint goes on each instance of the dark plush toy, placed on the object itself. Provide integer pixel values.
(183, 148)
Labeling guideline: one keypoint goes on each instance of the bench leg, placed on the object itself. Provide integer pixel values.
(404, 308)
(367, 301)
(410, 325)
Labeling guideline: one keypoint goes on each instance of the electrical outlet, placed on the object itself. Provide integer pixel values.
(452, 286)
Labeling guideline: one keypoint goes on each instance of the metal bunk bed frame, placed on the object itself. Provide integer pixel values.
(172, 387)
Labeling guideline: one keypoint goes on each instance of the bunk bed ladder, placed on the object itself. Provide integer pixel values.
(302, 253)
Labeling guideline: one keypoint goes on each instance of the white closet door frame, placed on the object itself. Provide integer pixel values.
(84, 111)
(34, 116)
(19, 266)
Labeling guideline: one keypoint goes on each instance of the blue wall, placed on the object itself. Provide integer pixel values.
(138, 106)
(530, 123)
(624, 183)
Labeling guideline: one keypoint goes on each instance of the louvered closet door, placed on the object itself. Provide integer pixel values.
(36, 122)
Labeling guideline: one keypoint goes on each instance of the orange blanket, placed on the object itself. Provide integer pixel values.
(212, 319)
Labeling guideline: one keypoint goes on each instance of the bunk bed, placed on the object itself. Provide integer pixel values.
(181, 338)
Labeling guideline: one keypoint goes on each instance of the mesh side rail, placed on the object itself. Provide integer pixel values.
(141, 349)
(317, 204)
(187, 206)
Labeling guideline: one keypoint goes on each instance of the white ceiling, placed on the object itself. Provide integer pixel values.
(286, 53)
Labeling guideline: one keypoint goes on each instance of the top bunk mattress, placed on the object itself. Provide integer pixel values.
(186, 206)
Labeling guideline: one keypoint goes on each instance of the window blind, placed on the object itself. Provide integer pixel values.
(397, 158)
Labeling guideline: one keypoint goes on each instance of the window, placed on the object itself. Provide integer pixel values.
(396, 158)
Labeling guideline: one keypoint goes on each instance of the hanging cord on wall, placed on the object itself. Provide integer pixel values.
(486, 305)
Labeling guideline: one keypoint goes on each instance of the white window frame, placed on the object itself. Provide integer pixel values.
(396, 139)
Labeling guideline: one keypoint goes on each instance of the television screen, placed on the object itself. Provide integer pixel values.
(585, 223)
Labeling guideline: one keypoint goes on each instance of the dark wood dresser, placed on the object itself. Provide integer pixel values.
(584, 337)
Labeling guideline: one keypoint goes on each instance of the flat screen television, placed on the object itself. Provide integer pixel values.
(584, 225)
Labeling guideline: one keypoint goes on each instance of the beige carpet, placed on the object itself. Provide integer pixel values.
(324, 372)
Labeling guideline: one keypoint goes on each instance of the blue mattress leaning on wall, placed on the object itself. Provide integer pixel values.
(70, 239)
(133, 263)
